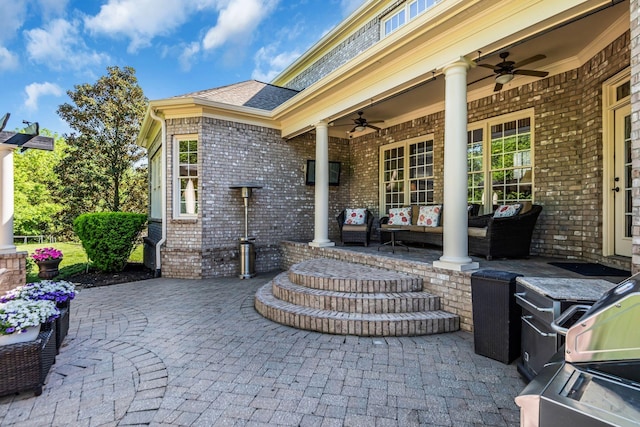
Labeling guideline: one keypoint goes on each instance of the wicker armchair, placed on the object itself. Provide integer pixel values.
(355, 233)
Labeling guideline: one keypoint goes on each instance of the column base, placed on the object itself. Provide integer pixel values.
(456, 265)
(322, 244)
(9, 249)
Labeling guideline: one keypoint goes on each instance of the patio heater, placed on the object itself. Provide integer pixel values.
(247, 249)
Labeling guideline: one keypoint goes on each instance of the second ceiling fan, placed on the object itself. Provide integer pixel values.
(505, 71)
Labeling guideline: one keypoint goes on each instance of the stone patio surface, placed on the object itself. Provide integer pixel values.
(196, 353)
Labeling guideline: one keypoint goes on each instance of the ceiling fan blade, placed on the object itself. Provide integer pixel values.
(373, 127)
(497, 87)
(491, 67)
(529, 60)
(533, 73)
(479, 80)
(353, 130)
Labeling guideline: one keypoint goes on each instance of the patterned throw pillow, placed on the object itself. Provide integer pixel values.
(399, 216)
(354, 216)
(429, 215)
(505, 211)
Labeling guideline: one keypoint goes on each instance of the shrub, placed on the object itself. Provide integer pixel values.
(109, 237)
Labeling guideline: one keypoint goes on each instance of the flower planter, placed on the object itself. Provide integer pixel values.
(30, 334)
(62, 323)
(24, 366)
(48, 269)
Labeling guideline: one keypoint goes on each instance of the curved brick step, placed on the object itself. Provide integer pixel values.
(333, 275)
(362, 324)
(352, 302)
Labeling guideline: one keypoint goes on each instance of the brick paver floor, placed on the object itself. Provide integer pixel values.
(196, 353)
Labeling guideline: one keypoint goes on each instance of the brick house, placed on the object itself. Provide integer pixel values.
(427, 74)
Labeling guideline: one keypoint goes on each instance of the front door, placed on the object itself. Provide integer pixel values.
(622, 181)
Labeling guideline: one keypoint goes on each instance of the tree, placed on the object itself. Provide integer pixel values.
(102, 161)
(34, 179)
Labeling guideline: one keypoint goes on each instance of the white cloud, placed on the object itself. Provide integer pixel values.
(269, 64)
(36, 90)
(8, 60)
(53, 7)
(141, 20)
(187, 55)
(13, 14)
(59, 46)
(236, 21)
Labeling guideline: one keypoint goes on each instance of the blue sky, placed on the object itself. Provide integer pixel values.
(176, 46)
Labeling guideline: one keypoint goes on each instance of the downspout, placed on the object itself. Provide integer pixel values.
(163, 190)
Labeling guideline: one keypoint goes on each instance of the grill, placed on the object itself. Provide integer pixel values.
(542, 301)
(594, 380)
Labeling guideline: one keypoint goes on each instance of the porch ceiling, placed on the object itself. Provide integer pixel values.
(565, 46)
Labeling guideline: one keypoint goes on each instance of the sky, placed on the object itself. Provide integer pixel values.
(176, 46)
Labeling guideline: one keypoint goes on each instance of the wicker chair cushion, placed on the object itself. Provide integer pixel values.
(351, 227)
(399, 216)
(505, 211)
(477, 231)
(429, 216)
(355, 216)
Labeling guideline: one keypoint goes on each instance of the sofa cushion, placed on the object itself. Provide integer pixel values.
(477, 231)
(399, 216)
(429, 216)
(505, 211)
(354, 216)
(351, 227)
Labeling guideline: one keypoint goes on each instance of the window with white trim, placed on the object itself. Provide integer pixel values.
(186, 176)
(155, 196)
(406, 173)
(500, 160)
(411, 9)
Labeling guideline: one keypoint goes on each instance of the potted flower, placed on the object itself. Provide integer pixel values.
(20, 319)
(48, 260)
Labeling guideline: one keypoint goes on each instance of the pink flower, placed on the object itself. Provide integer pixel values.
(46, 254)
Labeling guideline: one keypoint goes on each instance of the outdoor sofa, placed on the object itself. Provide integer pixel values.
(489, 236)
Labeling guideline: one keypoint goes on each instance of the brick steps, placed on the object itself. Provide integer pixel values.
(337, 297)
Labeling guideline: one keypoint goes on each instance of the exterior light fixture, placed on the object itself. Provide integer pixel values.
(359, 128)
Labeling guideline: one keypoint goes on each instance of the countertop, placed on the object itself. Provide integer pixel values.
(567, 289)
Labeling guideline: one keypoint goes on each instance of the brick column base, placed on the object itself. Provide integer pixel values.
(13, 268)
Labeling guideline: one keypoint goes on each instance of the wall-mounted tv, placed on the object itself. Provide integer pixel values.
(334, 173)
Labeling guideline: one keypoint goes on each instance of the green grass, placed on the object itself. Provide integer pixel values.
(74, 259)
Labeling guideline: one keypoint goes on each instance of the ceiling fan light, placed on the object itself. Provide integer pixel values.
(359, 128)
(504, 78)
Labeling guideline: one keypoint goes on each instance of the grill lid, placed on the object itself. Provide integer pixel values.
(608, 331)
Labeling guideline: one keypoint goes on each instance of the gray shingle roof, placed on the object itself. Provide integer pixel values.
(250, 93)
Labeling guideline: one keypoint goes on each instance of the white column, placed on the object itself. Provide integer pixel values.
(455, 241)
(6, 199)
(321, 222)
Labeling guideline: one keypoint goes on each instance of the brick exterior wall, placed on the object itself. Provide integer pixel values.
(16, 274)
(635, 130)
(232, 153)
(358, 42)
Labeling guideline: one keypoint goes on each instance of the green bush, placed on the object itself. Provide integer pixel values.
(109, 237)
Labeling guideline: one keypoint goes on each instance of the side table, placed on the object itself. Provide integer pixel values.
(393, 241)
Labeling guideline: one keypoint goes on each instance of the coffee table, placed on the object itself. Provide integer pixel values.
(393, 241)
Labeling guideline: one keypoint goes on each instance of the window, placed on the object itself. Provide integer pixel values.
(186, 175)
(411, 9)
(156, 185)
(499, 160)
(407, 173)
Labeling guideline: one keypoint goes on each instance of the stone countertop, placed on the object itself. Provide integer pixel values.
(567, 289)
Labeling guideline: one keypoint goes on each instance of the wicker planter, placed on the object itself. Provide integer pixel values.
(48, 269)
(24, 366)
(62, 322)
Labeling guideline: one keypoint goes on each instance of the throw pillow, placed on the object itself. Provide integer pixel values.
(354, 216)
(505, 211)
(429, 215)
(399, 216)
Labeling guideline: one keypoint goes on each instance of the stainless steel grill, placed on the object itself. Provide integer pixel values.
(594, 380)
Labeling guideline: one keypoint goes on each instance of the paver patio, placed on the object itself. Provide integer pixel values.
(196, 353)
